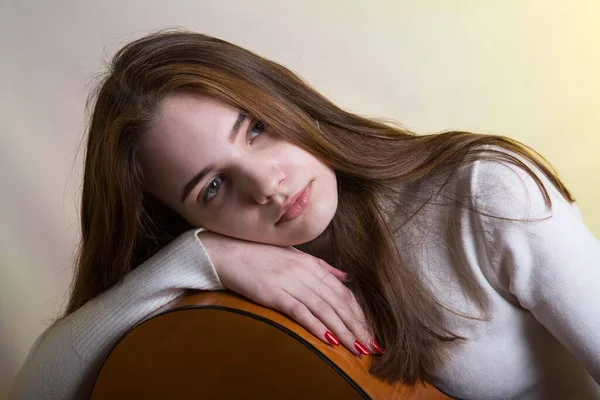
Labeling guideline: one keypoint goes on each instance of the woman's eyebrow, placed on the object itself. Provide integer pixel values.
(194, 181)
(235, 130)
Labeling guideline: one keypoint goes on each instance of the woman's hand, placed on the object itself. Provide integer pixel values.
(304, 287)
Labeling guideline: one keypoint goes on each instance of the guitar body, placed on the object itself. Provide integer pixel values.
(219, 345)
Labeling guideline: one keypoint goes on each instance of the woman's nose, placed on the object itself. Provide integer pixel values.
(263, 180)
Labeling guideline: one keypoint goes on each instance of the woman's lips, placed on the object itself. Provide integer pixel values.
(299, 205)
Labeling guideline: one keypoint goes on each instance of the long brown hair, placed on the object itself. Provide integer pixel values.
(122, 225)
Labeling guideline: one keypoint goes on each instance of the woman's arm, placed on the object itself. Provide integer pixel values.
(552, 266)
(64, 361)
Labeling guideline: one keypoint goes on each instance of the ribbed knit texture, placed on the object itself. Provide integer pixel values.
(539, 285)
(65, 360)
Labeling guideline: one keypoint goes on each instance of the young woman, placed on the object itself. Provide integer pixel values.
(209, 167)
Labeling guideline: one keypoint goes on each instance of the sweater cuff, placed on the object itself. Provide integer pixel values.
(200, 256)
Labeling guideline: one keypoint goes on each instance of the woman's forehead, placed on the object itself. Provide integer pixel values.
(196, 119)
(187, 106)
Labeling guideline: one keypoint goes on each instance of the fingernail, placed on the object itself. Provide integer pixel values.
(332, 339)
(377, 347)
(361, 348)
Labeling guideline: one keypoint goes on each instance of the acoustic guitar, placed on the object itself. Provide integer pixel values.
(219, 345)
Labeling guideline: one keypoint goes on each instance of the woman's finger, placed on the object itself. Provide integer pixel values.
(329, 308)
(341, 275)
(345, 293)
(322, 318)
(343, 303)
(298, 311)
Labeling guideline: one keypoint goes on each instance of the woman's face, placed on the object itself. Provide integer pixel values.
(223, 171)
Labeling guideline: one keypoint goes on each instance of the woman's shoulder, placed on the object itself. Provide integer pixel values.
(500, 188)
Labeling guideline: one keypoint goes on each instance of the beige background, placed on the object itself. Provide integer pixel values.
(525, 69)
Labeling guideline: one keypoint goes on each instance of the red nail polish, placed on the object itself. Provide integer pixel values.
(377, 347)
(332, 339)
(361, 348)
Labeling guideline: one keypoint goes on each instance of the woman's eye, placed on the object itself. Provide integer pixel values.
(213, 187)
(258, 128)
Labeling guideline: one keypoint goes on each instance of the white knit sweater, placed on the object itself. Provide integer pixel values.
(539, 285)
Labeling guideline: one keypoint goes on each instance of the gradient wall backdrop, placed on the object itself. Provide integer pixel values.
(525, 69)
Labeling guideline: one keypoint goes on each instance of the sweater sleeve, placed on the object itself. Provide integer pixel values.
(65, 360)
(551, 266)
